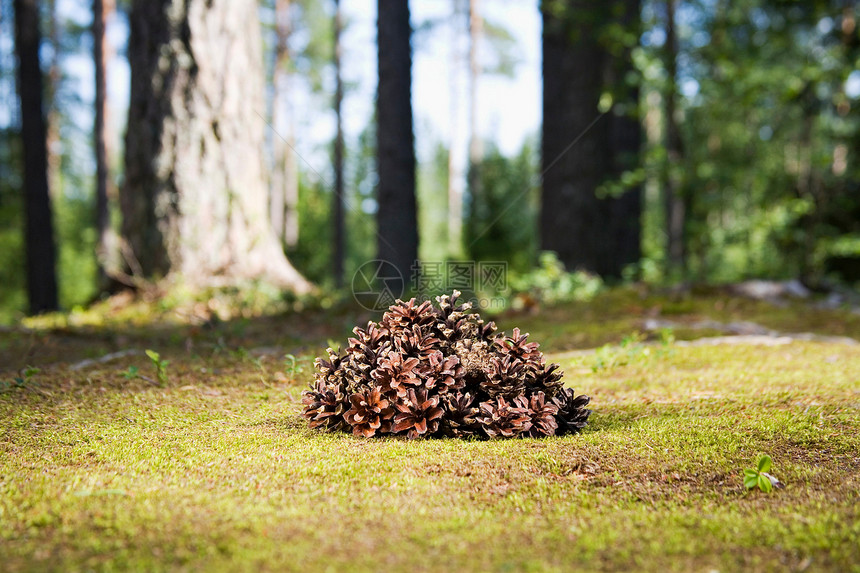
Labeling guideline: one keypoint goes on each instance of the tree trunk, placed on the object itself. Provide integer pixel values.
(456, 183)
(339, 252)
(396, 217)
(476, 144)
(106, 243)
(625, 143)
(194, 201)
(284, 192)
(582, 148)
(39, 227)
(676, 212)
(55, 145)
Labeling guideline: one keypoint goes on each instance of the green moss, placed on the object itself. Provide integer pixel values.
(216, 470)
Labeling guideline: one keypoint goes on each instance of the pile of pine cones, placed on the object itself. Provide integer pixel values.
(426, 371)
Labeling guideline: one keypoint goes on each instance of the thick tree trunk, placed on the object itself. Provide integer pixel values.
(39, 228)
(194, 201)
(396, 217)
(338, 212)
(625, 143)
(582, 149)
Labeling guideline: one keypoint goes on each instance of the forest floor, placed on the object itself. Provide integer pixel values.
(103, 467)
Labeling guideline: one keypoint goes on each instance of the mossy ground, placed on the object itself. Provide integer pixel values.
(217, 471)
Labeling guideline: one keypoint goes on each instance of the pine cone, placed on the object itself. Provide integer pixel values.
(372, 337)
(517, 346)
(504, 377)
(442, 374)
(404, 315)
(415, 342)
(460, 417)
(418, 413)
(395, 374)
(542, 415)
(547, 380)
(572, 415)
(503, 420)
(370, 414)
(324, 406)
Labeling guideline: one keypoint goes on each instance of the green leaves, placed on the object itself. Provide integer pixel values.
(759, 478)
(160, 366)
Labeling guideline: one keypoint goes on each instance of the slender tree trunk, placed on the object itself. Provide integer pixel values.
(455, 168)
(476, 144)
(676, 212)
(284, 192)
(339, 252)
(55, 145)
(194, 201)
(39, 228)
(396, 216)
(581, 148)
(106, 242)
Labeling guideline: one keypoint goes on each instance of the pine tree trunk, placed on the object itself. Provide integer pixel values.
(397, 216)
(194, 201)
(675, 204)
(55, 145)
(338, 213)
(625, 143)
(456, 183)
(106, 243)
(582, 149)
(476, 145)
(39, 228)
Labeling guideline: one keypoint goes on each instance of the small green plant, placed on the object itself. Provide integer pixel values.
(20, 381)
(293, 366)
(160, 366)
(759, 478)
(132, 373)
(27, 375)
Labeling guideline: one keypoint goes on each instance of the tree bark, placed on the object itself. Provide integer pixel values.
(55, 145)
(107, 248)
(338, 211)
(676, 212)
(194, 201)
(476, 144)
(396, 216)
(456, 183)
(625, 143)
(582, 148)
(39, 227)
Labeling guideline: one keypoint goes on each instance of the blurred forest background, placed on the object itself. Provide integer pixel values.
(234, 142)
